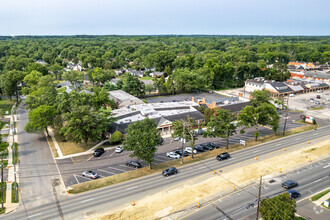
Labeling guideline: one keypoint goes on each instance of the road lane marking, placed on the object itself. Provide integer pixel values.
(107, 171)
(326, 166)
(131, 188)
(76, 178)
(117, 169)
(315, 134)
(277, 144)
(317, 180)
(87, 200)
(298, 139)
(35, 215)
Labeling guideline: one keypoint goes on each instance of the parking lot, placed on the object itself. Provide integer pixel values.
(302, 102)
(112, 163)
(186, 97)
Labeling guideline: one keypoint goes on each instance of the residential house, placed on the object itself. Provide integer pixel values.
(124, 99)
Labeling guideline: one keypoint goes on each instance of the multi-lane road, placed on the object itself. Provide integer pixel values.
(43, 201)
(242, 204)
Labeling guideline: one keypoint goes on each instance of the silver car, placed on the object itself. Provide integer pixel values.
(89, 174)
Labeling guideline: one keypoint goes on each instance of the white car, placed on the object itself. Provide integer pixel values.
(291, 95)
(319, 91)
(173, 155)
(90, 174)
(311, 101)
(177, 138)
(188, 149)
(119, 149)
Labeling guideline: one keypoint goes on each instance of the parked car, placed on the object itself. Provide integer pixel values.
(214, 145)
(189, 150)
(317, 102)
(302, 116)
(199, 148)
(133, 163)
(294, 194)
(319, 91)
(318, 96)
(311, 100)
(291, 95)
(170, 171)
(327, 98)
(161, 141)
(119, 149)
(173, 155)
(177, 138)
(98, 152)
(207, 146)
(289, 184)
(179, 151)
(223, 156)
(90, 174)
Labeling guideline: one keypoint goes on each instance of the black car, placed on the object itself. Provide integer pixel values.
(133, 163)
(161, 141)
(170, 171)
(214, 145)
(207, 146)
(289, 184)
(199, 148)
(179, 151)
(294, 194)
(223, 156)
(98, 152)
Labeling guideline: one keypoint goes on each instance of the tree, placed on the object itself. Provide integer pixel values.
(170, 85)
(278, 207)
(131, 84)
(83, 123)
(11, 81)
(40, 118)
(162, 85)
(57, 70)
(116, 137)
(191, 133)
(180, 131)
(74, 77)
(208, 113)
(142, 138)
(31, 80)
(259, 97)
(264, 114)
(38, 67)
(221, 125)
(100, 76)
(149, 88)
(100, 97)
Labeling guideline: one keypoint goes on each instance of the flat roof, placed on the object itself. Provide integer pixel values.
(186, 97)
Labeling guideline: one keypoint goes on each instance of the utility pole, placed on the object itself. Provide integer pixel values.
(259, 197)
(1, 180)
(287, 113)
(183, 139)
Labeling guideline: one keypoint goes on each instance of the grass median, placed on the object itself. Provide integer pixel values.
(14, 187)
(118, 178)
(317, 196)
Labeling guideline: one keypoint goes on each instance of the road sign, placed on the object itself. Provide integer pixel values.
(242, 142)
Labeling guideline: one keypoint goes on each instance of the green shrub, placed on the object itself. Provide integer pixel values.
(314, 122)
(116, 137)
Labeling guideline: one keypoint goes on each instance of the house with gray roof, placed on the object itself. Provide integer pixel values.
(278, 88)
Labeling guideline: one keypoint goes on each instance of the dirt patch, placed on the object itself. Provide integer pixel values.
(69, 147)
(161, 204)
(52, 146)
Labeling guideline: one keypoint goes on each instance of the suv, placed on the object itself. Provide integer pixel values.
(223, 156)
(133, 163)
(318, 96)
(199, 148)
(170, 171)
(294, 194)
(289, 184)
(214, 145)
(98, 152)
(161, 141)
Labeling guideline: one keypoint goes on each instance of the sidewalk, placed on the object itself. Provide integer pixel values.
(11, 175)
(322, 199)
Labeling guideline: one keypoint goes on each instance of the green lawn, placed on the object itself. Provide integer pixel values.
(317, 196)
(3, 149)
(6, 105)
(146, 78)
(317, 108)
(15, 155)
(4, 192)
(13, 196)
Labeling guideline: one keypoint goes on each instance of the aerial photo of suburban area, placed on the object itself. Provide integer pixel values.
(165, 110)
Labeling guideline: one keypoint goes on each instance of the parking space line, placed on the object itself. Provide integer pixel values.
(90, 158)
(112, 153)
(85, 177)
(107, 171)
(117, 169)
(76, 178)
(126, 166)
(104, 154)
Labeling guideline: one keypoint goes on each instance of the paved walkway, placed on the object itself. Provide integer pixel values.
(11, 175)
(322, 199)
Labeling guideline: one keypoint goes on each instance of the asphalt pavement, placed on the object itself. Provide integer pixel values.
(243, 203)
(119, 195)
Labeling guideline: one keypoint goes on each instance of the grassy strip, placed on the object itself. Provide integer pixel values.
(316, 108)
(6, 105)
(4, 192)
(14, 155)
(52, 146)
(3, 210)
(106, 181)
(14, 124)
(325, 206)
(5, 163)
(4, 135)
(13, 200)
(295, 111)
(4, 149)
(317, 196)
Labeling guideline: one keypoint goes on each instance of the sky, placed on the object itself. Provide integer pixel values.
(161, 17)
